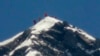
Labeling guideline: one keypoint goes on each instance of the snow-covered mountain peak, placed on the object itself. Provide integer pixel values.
(45, 24)
(51, 37)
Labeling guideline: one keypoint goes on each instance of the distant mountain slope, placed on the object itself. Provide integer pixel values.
(51, 37)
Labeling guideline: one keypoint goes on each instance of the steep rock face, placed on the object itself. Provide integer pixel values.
(51, 37)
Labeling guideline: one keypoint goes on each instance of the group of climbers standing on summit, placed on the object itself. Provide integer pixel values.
(34, 21)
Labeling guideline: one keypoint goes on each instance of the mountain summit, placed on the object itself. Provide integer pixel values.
(51, 37)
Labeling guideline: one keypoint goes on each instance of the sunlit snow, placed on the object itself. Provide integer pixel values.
(10, 39)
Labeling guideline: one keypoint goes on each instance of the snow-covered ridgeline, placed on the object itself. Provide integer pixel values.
(85, 36)
(11, 39)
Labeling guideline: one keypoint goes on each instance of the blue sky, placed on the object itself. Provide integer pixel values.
(17, 15)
